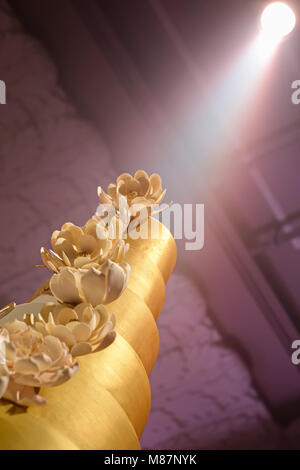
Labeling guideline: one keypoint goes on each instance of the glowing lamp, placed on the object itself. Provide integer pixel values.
(277, 20)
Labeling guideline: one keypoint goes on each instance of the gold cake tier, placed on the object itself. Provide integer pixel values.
(106, 403)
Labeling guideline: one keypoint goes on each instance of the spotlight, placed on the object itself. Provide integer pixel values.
(277, 20)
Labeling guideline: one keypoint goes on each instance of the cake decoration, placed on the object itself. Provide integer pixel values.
(67, 318)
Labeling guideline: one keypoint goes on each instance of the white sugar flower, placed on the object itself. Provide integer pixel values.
(29, 360)
(84, 329)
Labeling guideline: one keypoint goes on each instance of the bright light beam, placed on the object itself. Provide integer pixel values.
(277, 21)
(214, 121)
(265, 45)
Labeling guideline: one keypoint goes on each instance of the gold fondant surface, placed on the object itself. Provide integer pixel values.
(106, 403)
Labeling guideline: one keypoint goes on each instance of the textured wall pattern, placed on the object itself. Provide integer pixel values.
(202, 396)
(51, 162)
